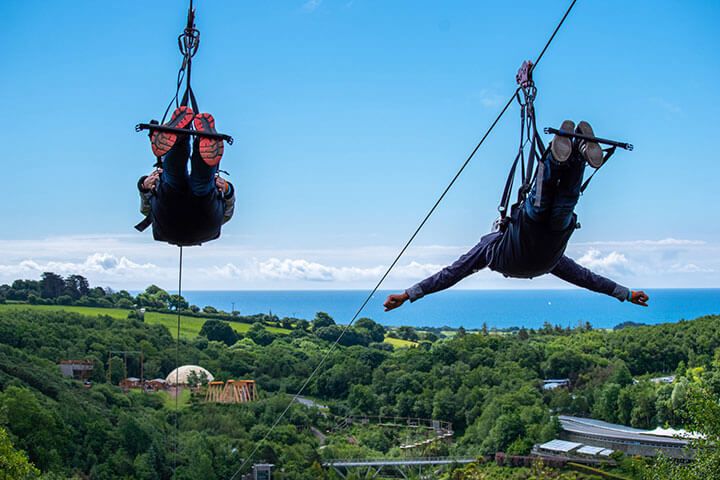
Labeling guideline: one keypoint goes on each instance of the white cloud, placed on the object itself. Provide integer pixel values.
(689, 268)
(95, 263)
(668, 262)
(305, 270)
(101, 268)
(612, 263)
(133, 262)
(665, 242)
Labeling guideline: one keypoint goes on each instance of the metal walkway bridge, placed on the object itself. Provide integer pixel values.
(398, 468)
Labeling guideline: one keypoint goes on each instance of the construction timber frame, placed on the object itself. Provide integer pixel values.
(125, 353)
(234, 391)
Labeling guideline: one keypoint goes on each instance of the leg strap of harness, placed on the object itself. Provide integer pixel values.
(190, 95)
(144, 224)
(608, 153)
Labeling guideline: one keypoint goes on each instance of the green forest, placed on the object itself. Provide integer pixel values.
(487, 384)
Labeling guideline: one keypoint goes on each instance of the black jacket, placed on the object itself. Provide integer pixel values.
(181, 218)
(525, 249)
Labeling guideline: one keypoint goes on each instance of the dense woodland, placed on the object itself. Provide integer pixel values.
(488, 385)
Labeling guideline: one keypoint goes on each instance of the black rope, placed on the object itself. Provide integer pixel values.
(552, 37)
(188, 44)
(176, 98)
(177, 365)
(399, 255)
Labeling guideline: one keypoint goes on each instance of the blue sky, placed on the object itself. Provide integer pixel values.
(350, 117)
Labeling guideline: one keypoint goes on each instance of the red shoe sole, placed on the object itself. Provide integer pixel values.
(211, 149)
(162, 142)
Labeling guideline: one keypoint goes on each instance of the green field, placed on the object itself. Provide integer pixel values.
(169, 400)
(189, 326)
(400, 343)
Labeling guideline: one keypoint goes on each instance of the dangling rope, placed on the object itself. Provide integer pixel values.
(402, 251)
(177, 364)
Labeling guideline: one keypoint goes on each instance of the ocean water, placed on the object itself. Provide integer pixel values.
(472, 308)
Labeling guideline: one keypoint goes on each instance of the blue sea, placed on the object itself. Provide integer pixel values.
(472, 308)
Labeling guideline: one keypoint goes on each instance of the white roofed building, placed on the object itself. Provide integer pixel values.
(181, 375)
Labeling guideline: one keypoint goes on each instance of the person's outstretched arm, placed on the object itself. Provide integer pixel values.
(228, 192)
(146, 186)
(471, 262)
(570, 271)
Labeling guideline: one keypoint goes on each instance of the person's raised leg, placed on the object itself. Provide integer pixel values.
(202, 175)
(207, 153)
(174, 164)
(540, 200)
(211, 149)
(567, 193)
(591, 152)
(162, 142)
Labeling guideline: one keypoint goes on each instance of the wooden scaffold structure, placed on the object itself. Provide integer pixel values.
(233, 391)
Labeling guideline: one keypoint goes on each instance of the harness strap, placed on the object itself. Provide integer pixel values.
(519, 158)
(144, 224)
(190, 95)
(537, 153)
(507, 191)
(608, 153)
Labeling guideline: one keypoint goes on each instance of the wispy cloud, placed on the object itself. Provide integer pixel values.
(101, 267)
(95, 263)
(133, 262)
(311, 5)
(665, 242)
(668, 262)
(489, 98)
(305, 270)
(609, 264)
(666, 105)
(689, 268)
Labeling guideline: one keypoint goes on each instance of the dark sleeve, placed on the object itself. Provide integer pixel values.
(570, 271)
(140, 184)
(229, 199)
(471, 262)
(144, 197)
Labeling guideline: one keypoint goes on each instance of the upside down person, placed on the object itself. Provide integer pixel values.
(534, 241)
(186, 209)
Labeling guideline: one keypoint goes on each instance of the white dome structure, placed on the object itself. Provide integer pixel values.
(180, 375)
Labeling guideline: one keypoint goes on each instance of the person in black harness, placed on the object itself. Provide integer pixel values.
(186, 209)
(533, 242)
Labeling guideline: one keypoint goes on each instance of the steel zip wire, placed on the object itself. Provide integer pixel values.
(402, 251)
(177, 365)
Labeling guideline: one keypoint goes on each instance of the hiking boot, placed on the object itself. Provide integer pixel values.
(590, 151)
(162, 142)
(561, 147)
(211, 149)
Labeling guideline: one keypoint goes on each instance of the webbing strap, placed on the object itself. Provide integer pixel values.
(507, 191)
(144, 224)
(608, 153)
(537, 154)
(540, 152)
(189, 94)
(540, 174)
(527, 181)
(519, 159)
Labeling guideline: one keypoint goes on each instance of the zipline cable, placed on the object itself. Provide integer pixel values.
(177, 364)
(402, 251)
